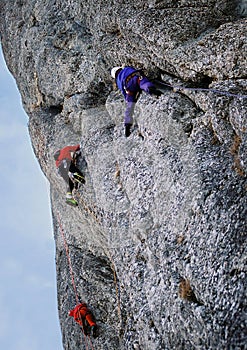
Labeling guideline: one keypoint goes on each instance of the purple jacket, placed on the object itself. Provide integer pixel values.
(134, 87)
(121, 78)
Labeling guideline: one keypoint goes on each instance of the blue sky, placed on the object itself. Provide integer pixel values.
(28, 302)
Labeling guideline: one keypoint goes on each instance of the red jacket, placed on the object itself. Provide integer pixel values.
(82, 313)
(66, 153)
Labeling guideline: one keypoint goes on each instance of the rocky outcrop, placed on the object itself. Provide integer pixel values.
(157, 243)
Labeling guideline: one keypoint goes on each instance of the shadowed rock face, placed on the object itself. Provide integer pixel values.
(157, 243)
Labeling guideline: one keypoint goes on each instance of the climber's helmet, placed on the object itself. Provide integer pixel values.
(115, 71)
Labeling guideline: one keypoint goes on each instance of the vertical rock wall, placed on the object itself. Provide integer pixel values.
(157, 242)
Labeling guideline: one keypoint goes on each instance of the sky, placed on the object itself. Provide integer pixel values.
(28, 301)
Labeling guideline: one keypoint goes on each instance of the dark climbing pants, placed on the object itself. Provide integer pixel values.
(65, 167)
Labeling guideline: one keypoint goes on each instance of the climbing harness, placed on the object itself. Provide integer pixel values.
(129, 77)
(132, 75)
(66, 247)
(226, 93)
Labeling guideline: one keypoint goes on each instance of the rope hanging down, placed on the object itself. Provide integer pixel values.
(226, 93)
(66, 247)
(68, 258)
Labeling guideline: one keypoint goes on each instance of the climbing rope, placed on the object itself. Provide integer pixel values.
(66, 247)
(93, 213)
(226, 93)
(117, 288)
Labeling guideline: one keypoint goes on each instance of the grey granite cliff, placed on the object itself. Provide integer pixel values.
(158, 241)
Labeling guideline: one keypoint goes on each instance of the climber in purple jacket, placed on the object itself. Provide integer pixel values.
(131, 82)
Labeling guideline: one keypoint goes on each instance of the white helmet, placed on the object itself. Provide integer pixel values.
(114, 71)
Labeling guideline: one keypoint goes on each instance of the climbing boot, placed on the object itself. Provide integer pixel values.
(127, 129)
(72, 201)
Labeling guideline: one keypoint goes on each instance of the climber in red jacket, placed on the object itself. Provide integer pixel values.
(66, 159)
(84, 317)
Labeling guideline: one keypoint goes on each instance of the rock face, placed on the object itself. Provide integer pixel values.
(158, 241)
